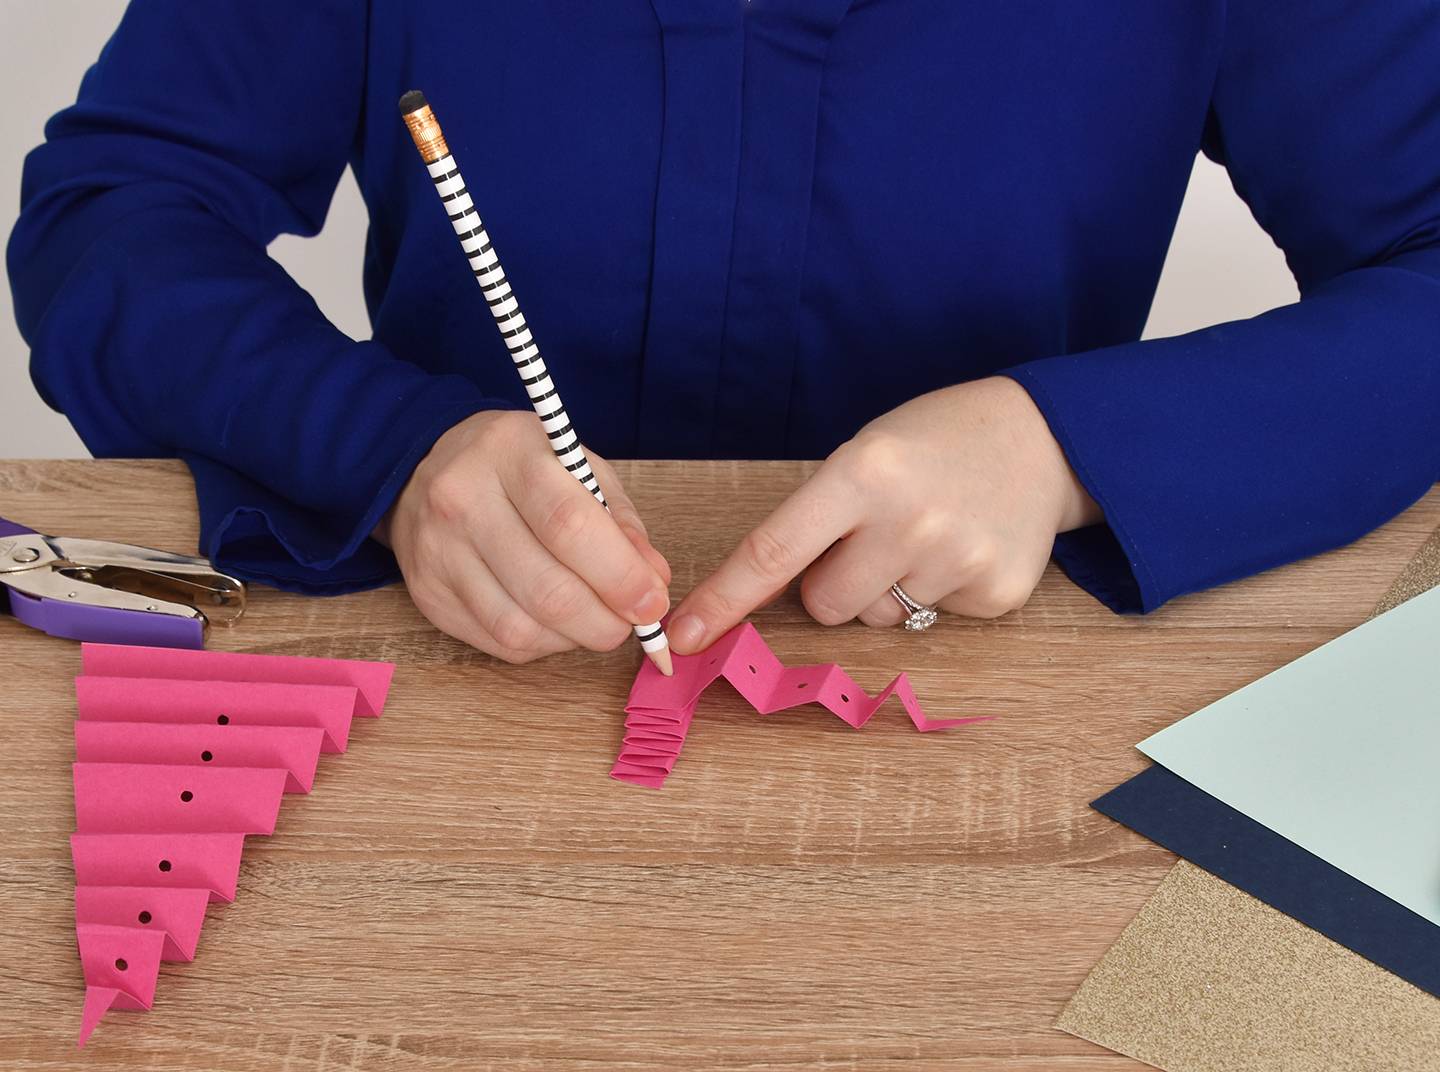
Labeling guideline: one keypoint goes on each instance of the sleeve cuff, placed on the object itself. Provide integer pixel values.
(257, 535)
(1101, 559)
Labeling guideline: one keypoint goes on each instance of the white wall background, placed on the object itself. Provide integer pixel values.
(1221, 265)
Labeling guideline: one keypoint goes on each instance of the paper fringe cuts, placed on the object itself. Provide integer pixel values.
(180, 754)
(660, 708)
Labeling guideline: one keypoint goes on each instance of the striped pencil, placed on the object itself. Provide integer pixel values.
(524, 350)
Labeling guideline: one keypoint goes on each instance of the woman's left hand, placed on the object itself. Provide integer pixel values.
(958, 495)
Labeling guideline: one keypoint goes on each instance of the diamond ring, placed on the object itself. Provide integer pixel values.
(921, 616)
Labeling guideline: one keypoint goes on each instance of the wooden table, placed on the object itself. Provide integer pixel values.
(467, 890)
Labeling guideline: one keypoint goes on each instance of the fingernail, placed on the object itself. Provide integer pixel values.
(651, 607)
(686, 633)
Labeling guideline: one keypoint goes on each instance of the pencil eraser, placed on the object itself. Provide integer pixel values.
(412, 102)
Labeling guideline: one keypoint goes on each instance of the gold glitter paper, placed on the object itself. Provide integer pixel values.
(1421, 575)
(1208, 979)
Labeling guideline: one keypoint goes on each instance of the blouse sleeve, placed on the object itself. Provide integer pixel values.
(160, 326)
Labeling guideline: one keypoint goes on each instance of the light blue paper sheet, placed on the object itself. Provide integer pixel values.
(1339, 751)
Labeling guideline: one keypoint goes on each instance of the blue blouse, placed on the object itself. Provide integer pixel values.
(743, 230)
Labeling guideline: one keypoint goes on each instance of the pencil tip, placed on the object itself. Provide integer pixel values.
(662, 661)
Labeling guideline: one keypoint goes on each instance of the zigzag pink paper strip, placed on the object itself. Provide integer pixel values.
(660, 708)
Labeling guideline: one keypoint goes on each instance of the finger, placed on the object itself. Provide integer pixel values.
(657, 561)
(627, 517)
(939, 570)
(516, 634)
(991, 596)
(546, 589)
(578, 532)
(995, 583)
(922, 585)
(772, 597)
(773, 553)
(854, 574)
(883, 612)
(981, 591)
(474, 608)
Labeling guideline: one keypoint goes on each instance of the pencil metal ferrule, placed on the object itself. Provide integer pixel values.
(425, 130)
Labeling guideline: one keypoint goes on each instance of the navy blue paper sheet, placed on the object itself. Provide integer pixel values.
(1170, 811)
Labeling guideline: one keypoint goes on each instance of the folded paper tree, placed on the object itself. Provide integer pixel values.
(660, 708)
(180, 755)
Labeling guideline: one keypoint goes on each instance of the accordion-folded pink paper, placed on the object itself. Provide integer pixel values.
(176, 914)
(117, 798)
(660, 708)
(371, 680)
(293, 749)
(173, 861)
(121, 966)
(179, 755)
(220, 704)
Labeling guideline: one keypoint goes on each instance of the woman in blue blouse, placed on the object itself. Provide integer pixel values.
(918, 237)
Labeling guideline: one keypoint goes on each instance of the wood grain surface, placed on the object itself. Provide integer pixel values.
(466, 889)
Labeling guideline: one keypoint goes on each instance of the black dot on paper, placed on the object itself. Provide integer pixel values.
(844, 698)
(206, 756)
(223, 720)
(752, 669)
(120, 964)
(803, 685)
(144, 917)
(186, 796)
(164, 865)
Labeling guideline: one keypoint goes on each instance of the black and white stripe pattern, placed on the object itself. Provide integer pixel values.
(524, 350)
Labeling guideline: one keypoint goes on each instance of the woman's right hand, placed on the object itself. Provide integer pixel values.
(505, 550)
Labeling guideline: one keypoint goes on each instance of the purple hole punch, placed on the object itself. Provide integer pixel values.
(112, 593)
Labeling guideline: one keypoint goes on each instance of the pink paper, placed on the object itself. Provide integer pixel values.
(370, 679)
(98, 1001)
(660, 708)
(294, 749)
(117, 798)
(171, 774)
(219, 704)
(177, 915)
(124, 959)
(206, 861)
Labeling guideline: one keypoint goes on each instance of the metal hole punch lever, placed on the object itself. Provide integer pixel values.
(113, 593)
